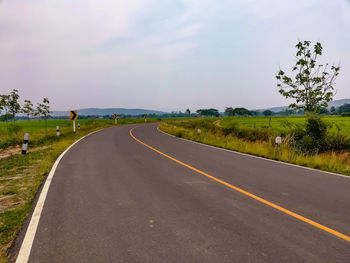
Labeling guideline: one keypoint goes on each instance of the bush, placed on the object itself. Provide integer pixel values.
(345, 114)
(178, 134)
(312, 139)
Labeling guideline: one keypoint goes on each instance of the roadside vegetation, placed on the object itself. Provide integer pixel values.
(254, 136)
(313, 141)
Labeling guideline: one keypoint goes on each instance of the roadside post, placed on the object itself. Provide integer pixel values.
(278, 140)
(25, 143)
(78, 126)
(58, 130)
(145, 117)
(73, 116)
(115, 116)
(199, 131)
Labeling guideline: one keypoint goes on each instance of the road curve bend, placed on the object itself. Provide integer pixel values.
(116, 196)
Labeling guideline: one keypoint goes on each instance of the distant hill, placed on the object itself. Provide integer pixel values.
(108, 111)
(335, 103)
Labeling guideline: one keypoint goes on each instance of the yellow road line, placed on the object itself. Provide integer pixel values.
(295, 215)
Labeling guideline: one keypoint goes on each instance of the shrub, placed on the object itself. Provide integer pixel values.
(178, 134)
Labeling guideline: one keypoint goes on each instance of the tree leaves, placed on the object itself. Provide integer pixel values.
(311, 87)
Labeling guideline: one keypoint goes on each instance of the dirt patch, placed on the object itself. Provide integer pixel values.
(17, 150)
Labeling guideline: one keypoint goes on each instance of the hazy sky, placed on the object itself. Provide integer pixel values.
(164, 54)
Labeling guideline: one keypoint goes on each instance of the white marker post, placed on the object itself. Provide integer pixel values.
(73, 125)
(25, 143)
(78, 126)
(199, 131)
(58, 130)
(278, 140)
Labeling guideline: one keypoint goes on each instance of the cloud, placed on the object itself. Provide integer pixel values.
(116, 49)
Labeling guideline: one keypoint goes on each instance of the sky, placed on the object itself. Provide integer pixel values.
(166, 55)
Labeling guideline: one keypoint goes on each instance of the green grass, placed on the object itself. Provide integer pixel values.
(285, 124)
(40, 135)
(22, 175)
(254, 137)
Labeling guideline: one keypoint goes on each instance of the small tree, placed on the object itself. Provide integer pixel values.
(13, 104)
(188, 112)
(4, 104)
(313, 86)
(268, 113)
(43, 109)
(333, 111)
(28, 108)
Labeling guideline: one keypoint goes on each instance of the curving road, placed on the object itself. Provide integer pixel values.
(157, 198)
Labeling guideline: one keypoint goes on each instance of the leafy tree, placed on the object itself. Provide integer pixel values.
(324, 110)
(343, 108)
(28, 108)
(188, 112)
(241, 112)
(267, 113)
(4, 104)
(229, 111)
(208, 112)
(332, 110)
(313, 86)
(43, 109)
(13, 104)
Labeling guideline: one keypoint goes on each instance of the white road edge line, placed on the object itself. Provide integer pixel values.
(253, 156)
(26, 247)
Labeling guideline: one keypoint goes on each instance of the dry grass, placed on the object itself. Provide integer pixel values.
(329, 161)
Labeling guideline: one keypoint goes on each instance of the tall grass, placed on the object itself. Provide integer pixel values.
(261, 145)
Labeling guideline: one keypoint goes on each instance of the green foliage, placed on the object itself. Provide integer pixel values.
(229, 111)
(343, 108)
(13, 104)
(326, 161)
(28, 108)
(313, 86)
(309, 135)
(345, 114)
(237, 111)
(208, 112)
(267, 113)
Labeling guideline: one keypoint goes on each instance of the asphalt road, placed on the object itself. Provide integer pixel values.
(112, 199)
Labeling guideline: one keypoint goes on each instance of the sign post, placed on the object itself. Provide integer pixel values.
(73, 116)
(115, 116)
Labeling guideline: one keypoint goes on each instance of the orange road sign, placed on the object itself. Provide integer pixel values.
(115, 116)
(73, 115)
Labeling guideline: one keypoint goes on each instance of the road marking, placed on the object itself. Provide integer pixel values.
(254, 156)
(26, 247)
(286, 211)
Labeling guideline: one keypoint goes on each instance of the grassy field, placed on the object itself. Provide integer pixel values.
(254, 135)
(22, 175)
(285, 124)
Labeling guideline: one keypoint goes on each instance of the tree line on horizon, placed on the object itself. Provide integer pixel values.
(10, 106)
